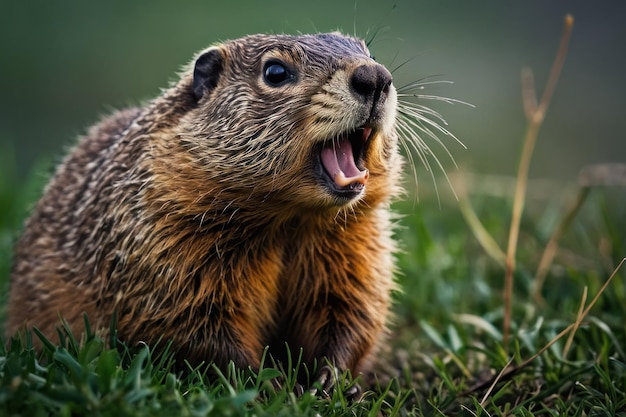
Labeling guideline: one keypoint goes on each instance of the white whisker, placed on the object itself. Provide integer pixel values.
(415, 122)
(446, 100)
(421, 123)
(422, 150)
(421, 84)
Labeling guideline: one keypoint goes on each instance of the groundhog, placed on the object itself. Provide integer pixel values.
(247, 206)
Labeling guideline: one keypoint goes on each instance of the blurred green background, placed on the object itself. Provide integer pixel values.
(65, 64)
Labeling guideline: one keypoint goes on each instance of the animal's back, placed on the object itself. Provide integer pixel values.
(46, 268)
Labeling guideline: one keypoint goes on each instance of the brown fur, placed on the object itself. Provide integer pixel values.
(200, 220)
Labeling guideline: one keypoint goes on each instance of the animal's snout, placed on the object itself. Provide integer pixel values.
(370, 81)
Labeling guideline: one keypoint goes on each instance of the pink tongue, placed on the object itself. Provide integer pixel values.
(339, 162)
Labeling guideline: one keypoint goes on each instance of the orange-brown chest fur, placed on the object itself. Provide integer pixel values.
(215, 263)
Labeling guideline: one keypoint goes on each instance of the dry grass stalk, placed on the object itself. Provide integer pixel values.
(508, 372)
(599, 175)
(535, 115)
(552, 246)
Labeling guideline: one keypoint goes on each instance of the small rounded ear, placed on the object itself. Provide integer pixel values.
(206, 72)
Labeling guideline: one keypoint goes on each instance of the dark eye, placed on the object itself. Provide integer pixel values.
(275, 73)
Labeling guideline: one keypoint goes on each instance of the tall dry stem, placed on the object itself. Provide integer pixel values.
(535, 115)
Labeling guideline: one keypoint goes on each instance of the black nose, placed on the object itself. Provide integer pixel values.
(370, 81)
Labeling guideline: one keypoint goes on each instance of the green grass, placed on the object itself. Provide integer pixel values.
(447, 336)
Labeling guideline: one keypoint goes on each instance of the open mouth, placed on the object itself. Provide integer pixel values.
(340, 161)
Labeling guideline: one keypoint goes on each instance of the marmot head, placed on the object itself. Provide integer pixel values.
(305, 120)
